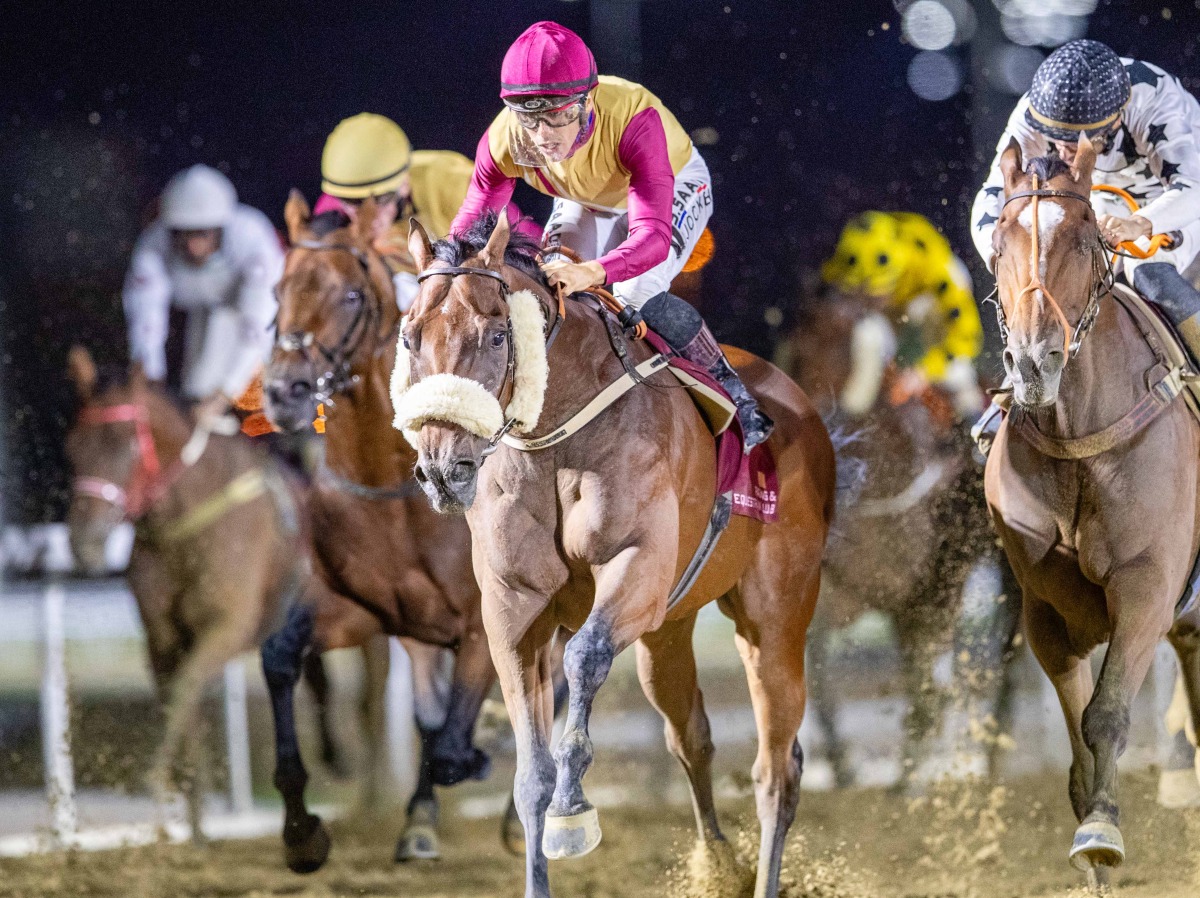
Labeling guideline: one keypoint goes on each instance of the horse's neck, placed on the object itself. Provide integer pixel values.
(1104, 379)
(360, 442)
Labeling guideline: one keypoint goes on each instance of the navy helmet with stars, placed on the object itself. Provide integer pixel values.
(1081, 86)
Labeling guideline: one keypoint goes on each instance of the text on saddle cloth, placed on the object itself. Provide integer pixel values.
(751, 479)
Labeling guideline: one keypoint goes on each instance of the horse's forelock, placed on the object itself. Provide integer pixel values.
(521, 253)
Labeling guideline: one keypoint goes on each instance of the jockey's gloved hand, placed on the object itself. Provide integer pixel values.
(1117, 230)
(574, 277)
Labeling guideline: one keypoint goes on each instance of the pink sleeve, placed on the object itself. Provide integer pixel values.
(643, 151)
(490, 189)
(526, 226)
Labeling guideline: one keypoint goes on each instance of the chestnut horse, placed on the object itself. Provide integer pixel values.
(907, 544)
(1092, 480)
(377, 540)
(592, 533)
(221, 551)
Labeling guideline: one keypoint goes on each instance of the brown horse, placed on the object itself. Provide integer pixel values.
(221, 551)
(377, 540)
(906, 545)
(592, 533)
(1092, 481)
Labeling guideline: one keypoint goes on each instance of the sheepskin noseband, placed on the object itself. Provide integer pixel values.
(465, 402)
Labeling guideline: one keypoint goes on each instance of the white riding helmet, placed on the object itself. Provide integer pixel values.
(196, 199)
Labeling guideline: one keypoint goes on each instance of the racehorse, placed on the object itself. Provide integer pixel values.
(220, 554)
(1092, 481)
(376, 539)
(592, 533)
(907, 543)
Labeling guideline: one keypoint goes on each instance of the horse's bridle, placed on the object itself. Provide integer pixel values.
(336, 378)
(149, 477)
(1102, 275)
(510, 368)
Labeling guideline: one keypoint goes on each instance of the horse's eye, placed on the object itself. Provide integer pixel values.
(498, 339)
(352, 298)
(404, 341)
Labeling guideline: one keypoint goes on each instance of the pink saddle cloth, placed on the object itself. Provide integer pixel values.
(751, 479)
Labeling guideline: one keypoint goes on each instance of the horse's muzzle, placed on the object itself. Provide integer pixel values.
(289, 403)
(1036, 372)
(449, 485)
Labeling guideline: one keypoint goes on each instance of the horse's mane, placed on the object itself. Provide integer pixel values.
(521, 252)
(327, 222)
(1047, 167)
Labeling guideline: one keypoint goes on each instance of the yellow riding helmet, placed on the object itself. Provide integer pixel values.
(869, 256)
(929, 257)
(366, 155)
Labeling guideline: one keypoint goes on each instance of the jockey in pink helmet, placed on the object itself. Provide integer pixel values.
(630, 190)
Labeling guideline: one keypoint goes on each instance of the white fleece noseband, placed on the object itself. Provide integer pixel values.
(465, 402)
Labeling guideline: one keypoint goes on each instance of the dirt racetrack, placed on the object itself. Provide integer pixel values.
(965, 843)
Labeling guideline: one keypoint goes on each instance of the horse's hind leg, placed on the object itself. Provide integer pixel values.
(1185, 638)
(318, 684)
(305, 841)
(923, 631)
(431, 678)
(825, 703)
(772, 610)
(667, 669)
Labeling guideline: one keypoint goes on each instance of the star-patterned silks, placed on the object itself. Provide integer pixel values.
(1138, 195)
(1156, 134)
(1169, 170)
(1140, 73)
(993, 191)
(1145, 172)
(985, 221)
(1129, 147)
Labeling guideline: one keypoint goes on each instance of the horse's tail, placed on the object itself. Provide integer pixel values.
(851, 467)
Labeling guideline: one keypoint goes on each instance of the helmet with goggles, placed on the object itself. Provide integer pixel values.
(1080, 87)
(547, 71)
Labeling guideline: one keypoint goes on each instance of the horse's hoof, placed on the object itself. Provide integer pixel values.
(1178, 789)
(418, 843)
(572, 836)
(307, 851)
(512, 833)
(475, 765)
(1097, 844)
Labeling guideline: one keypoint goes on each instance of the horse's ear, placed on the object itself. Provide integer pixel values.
(364, 221)
(1011, 166)
(493, 253)
(297, 215)
(81, 371)
(418, 245)
(1085, 160)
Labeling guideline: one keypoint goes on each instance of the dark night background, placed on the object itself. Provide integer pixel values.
(813, 118)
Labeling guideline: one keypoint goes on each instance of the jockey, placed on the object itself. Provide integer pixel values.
(370, 155)
(630, 191)
(903, 261)
(1145, 128)
(219, 261)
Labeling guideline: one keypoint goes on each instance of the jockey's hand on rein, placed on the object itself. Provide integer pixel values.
(1116, 230)
(573, 277)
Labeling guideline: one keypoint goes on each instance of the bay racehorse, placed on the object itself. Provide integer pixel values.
(221, 552)
(376, 539)
(1092, 481)
(907, 543)
(592, 533)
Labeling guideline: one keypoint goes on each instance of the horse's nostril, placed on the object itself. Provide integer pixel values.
(462, 471)
(300, 389)
(1010, 361)
(1053, 363)
(420, 475)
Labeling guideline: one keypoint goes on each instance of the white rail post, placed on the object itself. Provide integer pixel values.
(56, 717)
(237, 738)
(403, 745)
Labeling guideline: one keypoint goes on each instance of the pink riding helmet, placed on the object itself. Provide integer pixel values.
(546, 61)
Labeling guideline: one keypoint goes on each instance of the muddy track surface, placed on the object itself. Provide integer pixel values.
(962, 842)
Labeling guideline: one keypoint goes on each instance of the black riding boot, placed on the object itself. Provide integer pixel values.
(677, 322)
(1163, 285)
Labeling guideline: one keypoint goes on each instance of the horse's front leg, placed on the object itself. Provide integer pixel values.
(455, 757)
(1138, 625)
(624, 609)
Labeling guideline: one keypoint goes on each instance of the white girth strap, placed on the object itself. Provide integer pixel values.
(585, 415)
